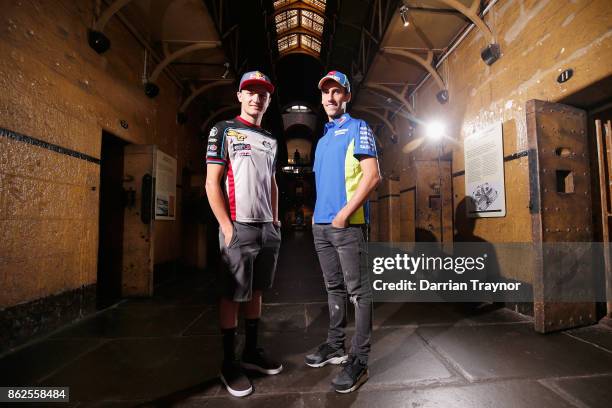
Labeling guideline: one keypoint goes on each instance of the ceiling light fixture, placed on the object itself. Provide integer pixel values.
(404, 15)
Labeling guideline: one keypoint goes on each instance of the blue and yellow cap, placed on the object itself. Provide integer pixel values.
(338, 77)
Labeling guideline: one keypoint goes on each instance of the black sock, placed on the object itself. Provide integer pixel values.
(250, 328)
(229, 339)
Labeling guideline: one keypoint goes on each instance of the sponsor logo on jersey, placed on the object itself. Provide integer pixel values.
(234, 133)
(213, 132)
(340, 132)
(212, 140)
(212, 148)
(267, 144)
(241, 146)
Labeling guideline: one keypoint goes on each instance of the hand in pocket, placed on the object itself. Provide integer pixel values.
(228, 234)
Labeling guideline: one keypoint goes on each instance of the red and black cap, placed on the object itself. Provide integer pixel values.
(256, 77)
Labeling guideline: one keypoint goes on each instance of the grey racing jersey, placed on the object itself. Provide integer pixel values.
(248, 153)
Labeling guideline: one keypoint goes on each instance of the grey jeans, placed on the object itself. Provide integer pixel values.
(343, 258)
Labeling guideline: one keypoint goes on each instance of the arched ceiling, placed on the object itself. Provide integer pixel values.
(366, 39)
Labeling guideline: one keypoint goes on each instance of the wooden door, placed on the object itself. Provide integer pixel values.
(560, 205)
(138, 245)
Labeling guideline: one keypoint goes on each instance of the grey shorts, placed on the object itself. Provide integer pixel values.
(249, 259)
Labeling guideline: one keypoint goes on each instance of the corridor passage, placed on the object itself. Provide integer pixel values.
(166, 350)
(465, 146)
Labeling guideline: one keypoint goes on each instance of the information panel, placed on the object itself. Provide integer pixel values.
(484, 173)
(165, 187)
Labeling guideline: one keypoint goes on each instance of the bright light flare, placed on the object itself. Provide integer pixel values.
(434, 130)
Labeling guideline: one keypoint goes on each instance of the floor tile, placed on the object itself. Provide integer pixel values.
(137, 369)
(510, 394)
(254, 400)
(598, 334)
(502, 351)
(29, 364)
(594, 392)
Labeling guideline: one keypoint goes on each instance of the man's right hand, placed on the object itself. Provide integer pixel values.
(228, 233)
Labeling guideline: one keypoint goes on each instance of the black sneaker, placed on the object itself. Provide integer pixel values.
(325, 354)
(234, 379)
(258, 361)
(354, 373)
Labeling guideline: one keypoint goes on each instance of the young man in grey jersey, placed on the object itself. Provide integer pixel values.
(242, 156)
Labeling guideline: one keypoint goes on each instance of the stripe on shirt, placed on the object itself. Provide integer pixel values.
(231, 193)
(352, 177)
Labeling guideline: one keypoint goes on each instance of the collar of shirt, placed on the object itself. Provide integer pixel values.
(341, 121)
(246, 122)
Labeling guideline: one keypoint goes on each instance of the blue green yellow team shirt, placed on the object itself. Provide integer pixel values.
(337, 168)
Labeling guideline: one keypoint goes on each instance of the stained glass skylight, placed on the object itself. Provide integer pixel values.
(311, 42)
(306, 18)
(286, 20)
(287, 42)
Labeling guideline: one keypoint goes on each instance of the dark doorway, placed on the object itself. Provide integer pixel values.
(601, 199)
(110, 246)
(596, 99)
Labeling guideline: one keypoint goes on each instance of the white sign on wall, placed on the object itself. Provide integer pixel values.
(484, 173)
(165, 187)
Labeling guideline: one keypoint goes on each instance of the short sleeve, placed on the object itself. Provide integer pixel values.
(365, 144)
(216, 152)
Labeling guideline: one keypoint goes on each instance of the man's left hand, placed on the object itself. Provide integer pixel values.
(340, 220)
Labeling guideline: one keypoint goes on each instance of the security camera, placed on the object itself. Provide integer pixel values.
(151, 90)
(442, 96)
(98, 41)
(490, 53)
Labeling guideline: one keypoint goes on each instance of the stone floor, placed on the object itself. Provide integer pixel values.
(165, 351)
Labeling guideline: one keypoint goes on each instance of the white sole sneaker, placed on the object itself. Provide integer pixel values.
(333, 360)
(358, 384)
(235, 393)
(257, 368)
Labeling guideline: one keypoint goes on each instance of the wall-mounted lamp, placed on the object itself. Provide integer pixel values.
(434, 130)
(404, 15)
